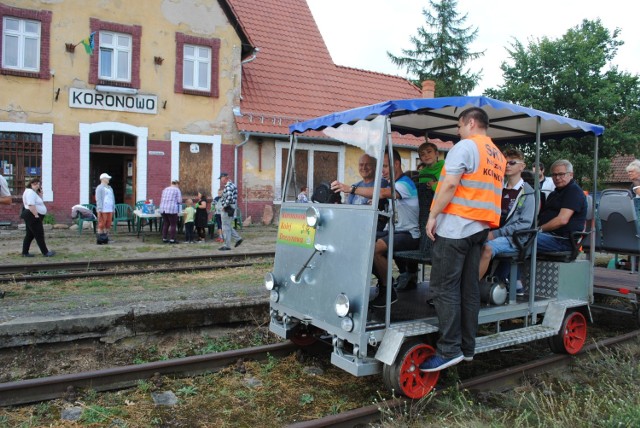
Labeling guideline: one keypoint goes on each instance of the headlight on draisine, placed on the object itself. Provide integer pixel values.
(313, 217)
(342, 305)
(269, 281)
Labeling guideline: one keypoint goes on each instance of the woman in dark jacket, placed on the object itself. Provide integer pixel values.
(202, 216)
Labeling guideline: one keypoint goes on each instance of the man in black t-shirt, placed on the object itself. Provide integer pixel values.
(564, 212)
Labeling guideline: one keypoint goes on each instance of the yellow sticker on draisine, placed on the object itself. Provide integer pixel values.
(293, 228)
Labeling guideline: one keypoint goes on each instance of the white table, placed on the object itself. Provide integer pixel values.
(138, 216)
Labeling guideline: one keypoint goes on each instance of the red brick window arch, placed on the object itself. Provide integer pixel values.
(197, 65)
(25, 43)
(110, 31)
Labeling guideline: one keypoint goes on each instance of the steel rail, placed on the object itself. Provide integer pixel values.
(103, 264)
(49, 388)
(499, 380)
(128, 272)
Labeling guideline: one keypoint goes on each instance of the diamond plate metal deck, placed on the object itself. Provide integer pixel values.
(513, 337)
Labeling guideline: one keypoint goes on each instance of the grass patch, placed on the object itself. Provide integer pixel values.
(229, 280)
(573, 397)
(243, 395)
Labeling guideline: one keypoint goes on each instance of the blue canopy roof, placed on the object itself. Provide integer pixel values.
(438, 118)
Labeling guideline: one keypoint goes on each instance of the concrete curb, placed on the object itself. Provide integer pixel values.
(115, 324)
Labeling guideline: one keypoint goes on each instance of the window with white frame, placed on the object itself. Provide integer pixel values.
(197, 68)
(115, 56)
(315, 164)
(21, 44)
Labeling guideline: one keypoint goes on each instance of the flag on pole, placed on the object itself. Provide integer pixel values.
(88, 43)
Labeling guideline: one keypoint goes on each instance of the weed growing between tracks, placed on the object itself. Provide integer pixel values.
(600, 390)
(215, 281)
(272, 393)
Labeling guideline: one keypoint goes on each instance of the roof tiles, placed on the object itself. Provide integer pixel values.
(293, 76)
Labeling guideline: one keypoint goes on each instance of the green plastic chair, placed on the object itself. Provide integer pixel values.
(81, 221)
(123, 212)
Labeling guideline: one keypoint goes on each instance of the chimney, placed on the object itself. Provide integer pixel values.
(428, 89)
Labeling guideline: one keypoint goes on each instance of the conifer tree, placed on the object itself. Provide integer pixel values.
(441, 51)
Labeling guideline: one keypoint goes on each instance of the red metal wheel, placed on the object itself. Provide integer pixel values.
(572, 336)
(404, 375)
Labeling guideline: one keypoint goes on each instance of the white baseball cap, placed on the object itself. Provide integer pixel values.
(105, 175)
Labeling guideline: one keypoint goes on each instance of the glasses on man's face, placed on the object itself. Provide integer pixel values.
(513, 162)
(559, 174)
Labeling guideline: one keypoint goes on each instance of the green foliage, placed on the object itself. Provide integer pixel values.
(272, 363)
(144, 386)
(188, 390)
(98, 415)
(217, 345)
(48, 219)
(440, 51)
(574, 76)
(306, 399)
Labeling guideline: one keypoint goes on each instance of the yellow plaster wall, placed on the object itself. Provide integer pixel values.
(33, 100)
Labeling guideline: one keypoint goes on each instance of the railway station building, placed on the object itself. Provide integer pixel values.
(160, 90)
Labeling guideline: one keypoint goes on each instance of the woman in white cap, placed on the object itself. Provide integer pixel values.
(105, 206)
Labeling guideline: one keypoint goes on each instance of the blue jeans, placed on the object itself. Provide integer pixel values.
(454, 283)
(549, 243)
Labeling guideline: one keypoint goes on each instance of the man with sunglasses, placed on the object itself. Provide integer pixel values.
(518, 211)
(564, 212)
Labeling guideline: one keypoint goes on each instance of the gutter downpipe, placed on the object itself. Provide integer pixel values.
(247, 135)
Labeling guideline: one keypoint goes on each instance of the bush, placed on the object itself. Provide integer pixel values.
(49, 219)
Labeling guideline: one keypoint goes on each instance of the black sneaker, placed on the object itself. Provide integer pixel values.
(238, 242)
(50, 254)
(224, 249)
(381, 299)
(27, 255)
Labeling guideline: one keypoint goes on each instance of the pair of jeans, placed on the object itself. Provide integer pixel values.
(228, 232)
(549, 243)
(169, 226)
(34, 230)
(189, 233)
(456, 293)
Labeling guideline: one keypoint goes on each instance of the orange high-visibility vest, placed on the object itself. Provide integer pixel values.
(479, 194)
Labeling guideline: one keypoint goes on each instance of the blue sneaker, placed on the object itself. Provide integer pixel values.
(437, 363)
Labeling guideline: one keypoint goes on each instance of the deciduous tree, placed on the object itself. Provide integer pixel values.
(575, 76)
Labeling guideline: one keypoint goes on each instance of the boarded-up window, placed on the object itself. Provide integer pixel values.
(195, 168)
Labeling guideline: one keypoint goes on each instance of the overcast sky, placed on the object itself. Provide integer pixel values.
(359, 33)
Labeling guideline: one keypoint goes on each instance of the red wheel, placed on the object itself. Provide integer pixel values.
(305, 335)
(404, 375)
(572, 336)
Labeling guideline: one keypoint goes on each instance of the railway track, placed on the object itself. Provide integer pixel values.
(496, 381)
(120, 267)
(48, 388)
